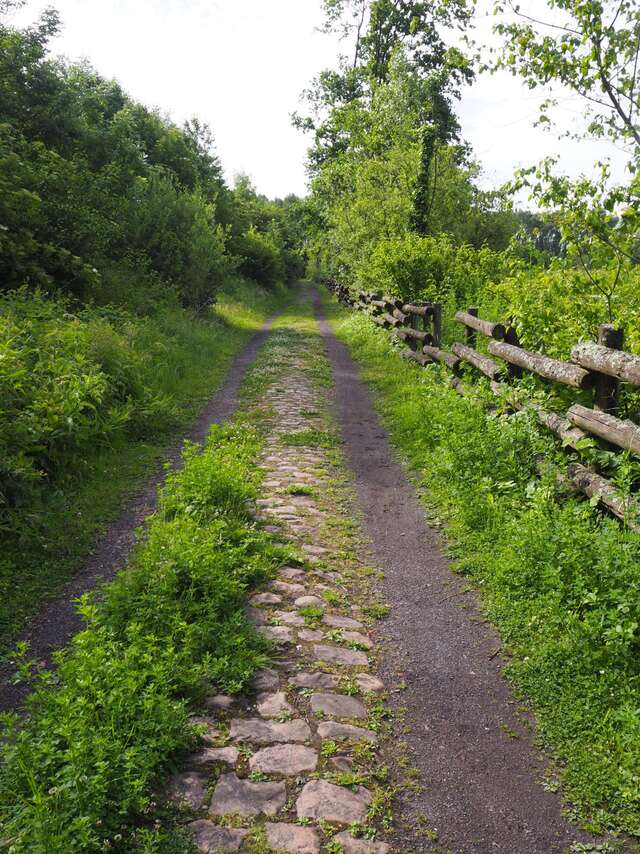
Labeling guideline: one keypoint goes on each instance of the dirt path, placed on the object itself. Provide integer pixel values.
(57, 621)
(473, 751)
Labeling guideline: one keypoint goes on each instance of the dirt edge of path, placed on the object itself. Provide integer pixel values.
(465, 733)
(55, 623)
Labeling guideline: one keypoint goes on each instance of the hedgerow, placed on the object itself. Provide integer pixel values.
(103, 727)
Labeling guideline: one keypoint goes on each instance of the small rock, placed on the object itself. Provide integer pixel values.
(288, 589)
(310, 635)
(291, 759)
(267, 732)
(265, 599)
(278, 634)
(314, 551)
(338, 655)
(272, 705)
(292, 838)
(351, 845)
(266, 680)
(341, 763)
(213, 756)
(338, 622)
(322, 800)
(369, 684)
(221, 702)
(314, 680)
(333, 731)
(256, 616)
(338, 705)
(291, 572)
(357, 637)
(211, 732)
(291, 618)
(209, 837)
(233, 796)
(309, 602)
(188, 789)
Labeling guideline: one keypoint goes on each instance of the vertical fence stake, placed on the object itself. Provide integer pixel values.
(471, 335)
(511, 337)
(607, 389)
(437, 324)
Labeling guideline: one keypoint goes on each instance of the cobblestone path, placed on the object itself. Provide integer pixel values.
(293, 767)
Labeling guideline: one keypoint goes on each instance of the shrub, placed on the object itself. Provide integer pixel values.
(432, 268)
(259, 258)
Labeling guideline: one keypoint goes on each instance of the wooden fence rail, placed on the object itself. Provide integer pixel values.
(598, 367)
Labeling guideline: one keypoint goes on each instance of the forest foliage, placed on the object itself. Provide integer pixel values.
(118, 234)
(396, 198)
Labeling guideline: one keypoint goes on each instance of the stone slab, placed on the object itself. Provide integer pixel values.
(289, 759)
(272, 705)
(339, 655)
(292, 838)
(325, 801)
(351, 845)
(209, 837)
(266, 732)
(334, 731)
(233, 796)
(338, 705)
(316, 679)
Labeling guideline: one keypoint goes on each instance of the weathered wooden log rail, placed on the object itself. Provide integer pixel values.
(598, 368)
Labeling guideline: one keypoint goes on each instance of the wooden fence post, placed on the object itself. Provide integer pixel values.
(607, 389)
(511, 337)
(437, 324)
(471, 334)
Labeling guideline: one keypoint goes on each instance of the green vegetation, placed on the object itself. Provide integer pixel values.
(92, 397)
(130, 274)
(101, 731)
(395, 200)
(559, 580)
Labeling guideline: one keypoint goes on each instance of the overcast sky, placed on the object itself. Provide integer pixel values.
(241, 66)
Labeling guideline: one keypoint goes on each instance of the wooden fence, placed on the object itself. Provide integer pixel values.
(598, 368)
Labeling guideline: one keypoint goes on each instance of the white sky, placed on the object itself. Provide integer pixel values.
(241, 66)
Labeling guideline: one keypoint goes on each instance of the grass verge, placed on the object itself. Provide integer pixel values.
(80, 772)
(157, 373)
(560, 581)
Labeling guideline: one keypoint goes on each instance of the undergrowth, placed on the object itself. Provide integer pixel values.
(103, 727)
(561, 581)
(90, 398)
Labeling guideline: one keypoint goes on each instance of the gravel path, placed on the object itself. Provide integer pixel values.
(473, 751)
(57, 621)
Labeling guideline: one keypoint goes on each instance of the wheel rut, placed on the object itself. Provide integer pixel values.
(57, 620)
(466, 736)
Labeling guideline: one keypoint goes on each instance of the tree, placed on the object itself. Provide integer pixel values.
(592, 47)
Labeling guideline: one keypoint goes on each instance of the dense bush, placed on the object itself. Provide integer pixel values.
(432, 268)
(103, 729)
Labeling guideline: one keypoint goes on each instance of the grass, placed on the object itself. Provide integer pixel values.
(80, 773)
(560, 580)
(190, 359)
